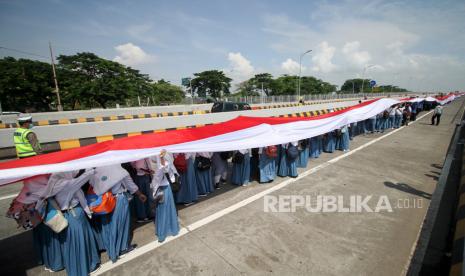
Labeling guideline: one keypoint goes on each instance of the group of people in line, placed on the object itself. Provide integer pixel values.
(98, 203)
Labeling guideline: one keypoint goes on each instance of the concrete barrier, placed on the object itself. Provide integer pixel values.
(76, 117)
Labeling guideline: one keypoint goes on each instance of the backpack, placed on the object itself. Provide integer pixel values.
(238, 158)
(180, 163)
(176, 185)
(292, 152)
(203, 163)
(25, 215)
(225, 155)
(271, 151)
(100, 204)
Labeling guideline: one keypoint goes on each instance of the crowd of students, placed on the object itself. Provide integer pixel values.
(96, 203)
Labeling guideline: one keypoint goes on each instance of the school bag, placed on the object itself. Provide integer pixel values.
(225, 155)
(271, 151)
(176, 184)
(238, 158)
(180, 163)
(203, 163)
(292, 152)
(100, 204)
(25, 215)
(54, 217)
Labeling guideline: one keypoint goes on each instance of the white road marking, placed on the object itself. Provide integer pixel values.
(8, 196)
(202, 222)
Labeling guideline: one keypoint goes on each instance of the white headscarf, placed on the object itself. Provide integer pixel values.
(106, 177)
(32, 189)
(60, 181)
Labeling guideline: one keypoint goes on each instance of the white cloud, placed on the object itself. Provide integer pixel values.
(130, 54)
(354, 55)
(322, 59)
(291, 67)
(240, 67)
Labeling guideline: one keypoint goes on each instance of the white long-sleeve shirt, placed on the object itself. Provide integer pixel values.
(67, 190)
(159, 178)
(142, 166)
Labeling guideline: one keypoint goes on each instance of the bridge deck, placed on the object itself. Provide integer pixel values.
(229, 232)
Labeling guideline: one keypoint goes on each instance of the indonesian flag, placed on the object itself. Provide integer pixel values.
(239, 133)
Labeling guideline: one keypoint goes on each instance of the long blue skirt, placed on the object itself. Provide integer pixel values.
(330, 143)
(204, 181)
(241, 172)
(166, 220)
(361, 127)
(278, 158)
(254, 167)
(115, 228)
(143, 209)
(267, 167)
(48, 248)
(343, 141)
(188, 192)
(302, 161)
(287, 167)
(314, 147)
(80, 252)
(372, 125)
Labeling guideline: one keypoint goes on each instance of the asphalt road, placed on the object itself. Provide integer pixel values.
(229, 233)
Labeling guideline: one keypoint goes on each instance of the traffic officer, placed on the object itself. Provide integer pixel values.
(25, 139)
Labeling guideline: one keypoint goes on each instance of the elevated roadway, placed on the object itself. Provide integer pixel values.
(229, 233)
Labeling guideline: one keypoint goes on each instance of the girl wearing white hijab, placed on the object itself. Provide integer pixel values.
(166, 219)
(79, 247)
(46, 242)
(113, 229)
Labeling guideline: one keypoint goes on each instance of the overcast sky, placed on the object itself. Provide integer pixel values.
(419, 45)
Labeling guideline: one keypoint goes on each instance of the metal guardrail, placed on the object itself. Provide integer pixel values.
(306, 97)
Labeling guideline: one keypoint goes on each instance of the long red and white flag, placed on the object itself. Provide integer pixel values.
(239, 133)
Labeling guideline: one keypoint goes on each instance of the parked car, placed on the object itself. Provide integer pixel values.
(229, 106)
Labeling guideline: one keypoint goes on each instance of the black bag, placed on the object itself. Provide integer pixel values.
(238, 158)
(292, 152)
(225, 155)
(338, 133)
(176, 185)
(203, 163)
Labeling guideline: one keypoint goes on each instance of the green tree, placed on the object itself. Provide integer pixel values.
(26, 85)
(165, 92)
(88, 79)
(356, 85)
(262, 81)
(211, 83)
(246, 88)
(287, 85)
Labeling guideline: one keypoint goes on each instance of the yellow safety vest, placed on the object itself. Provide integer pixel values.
(23, 147)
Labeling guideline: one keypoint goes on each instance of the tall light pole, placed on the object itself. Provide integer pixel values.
(300, 71)
(57, 91)
(363, 74)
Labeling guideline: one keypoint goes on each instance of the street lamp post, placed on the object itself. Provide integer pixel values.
(300, 71)
(363, 74)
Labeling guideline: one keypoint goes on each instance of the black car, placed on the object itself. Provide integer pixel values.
(229, 106)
